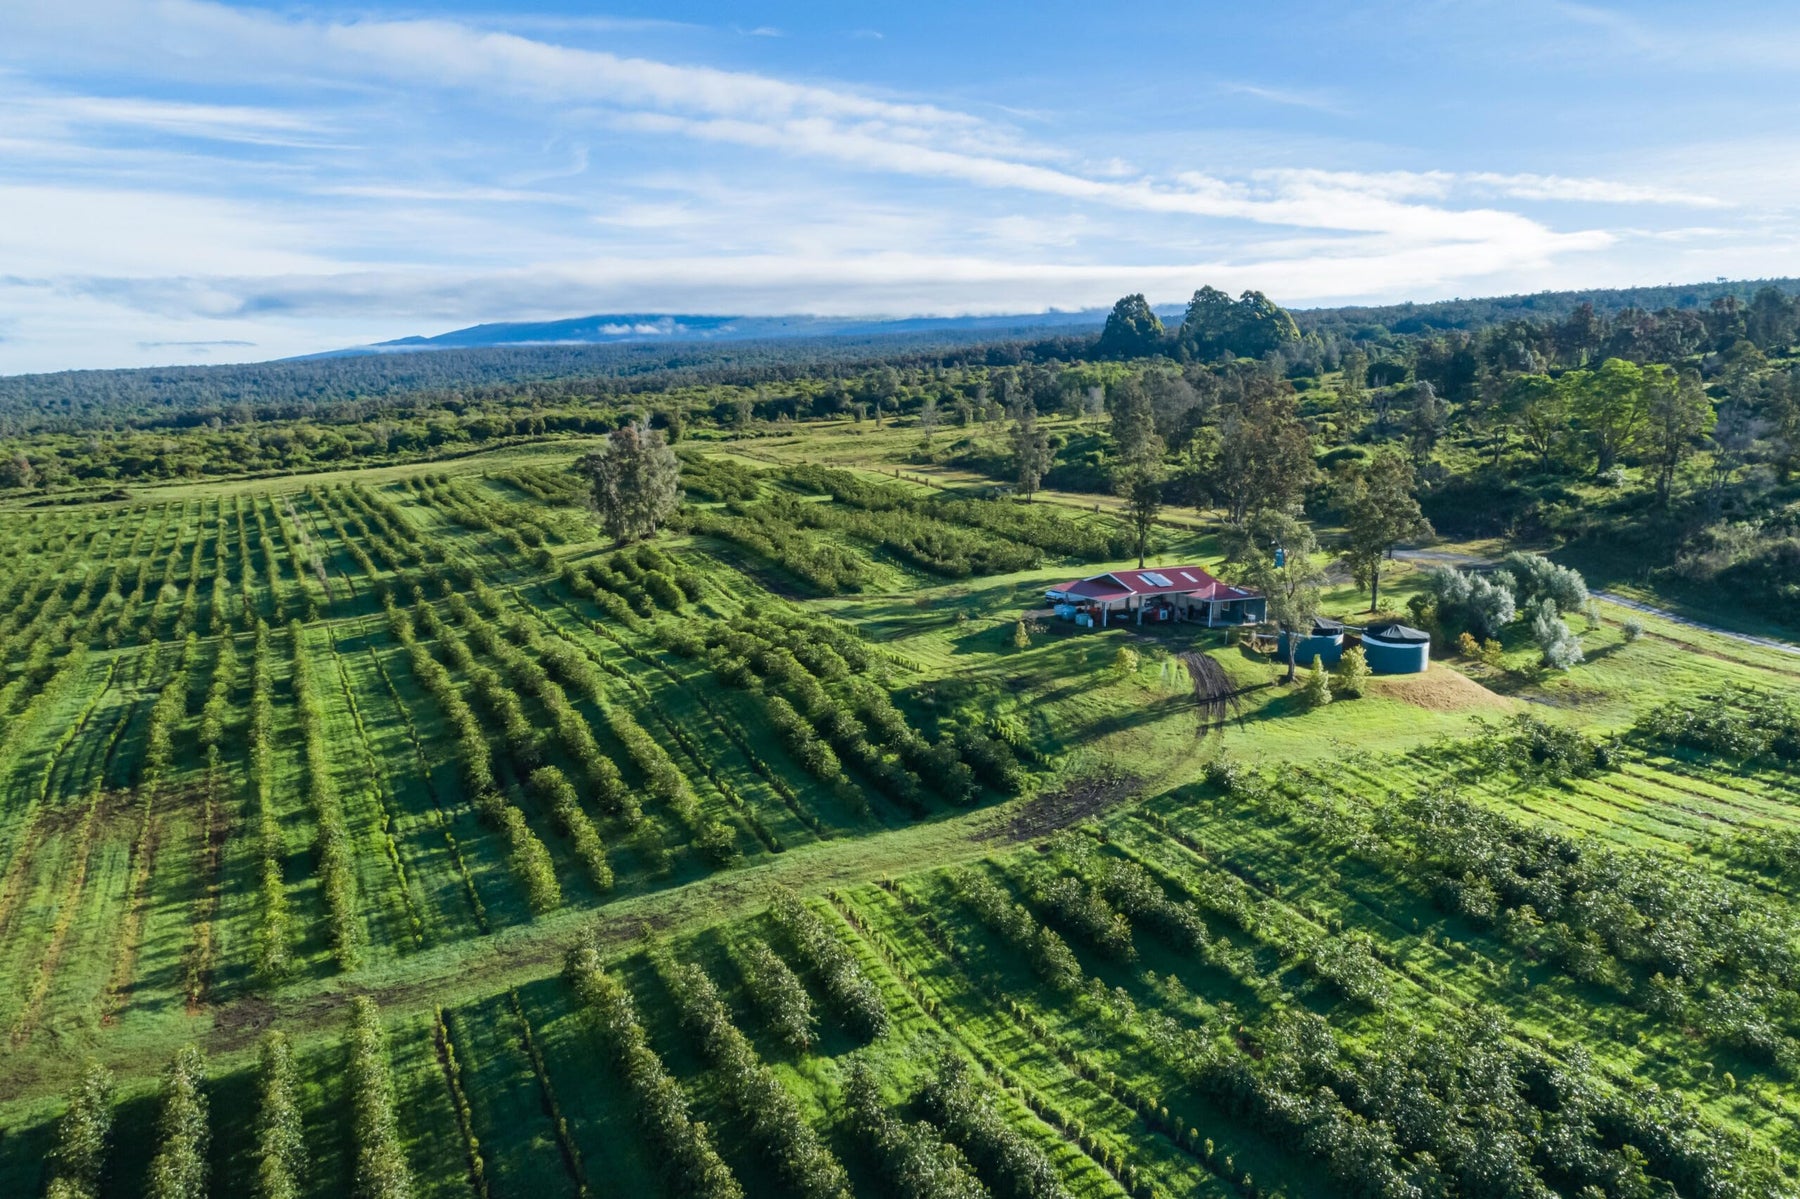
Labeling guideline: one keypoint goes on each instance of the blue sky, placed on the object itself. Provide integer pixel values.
(191, 181)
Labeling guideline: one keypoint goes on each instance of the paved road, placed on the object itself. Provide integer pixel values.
(1465, 561)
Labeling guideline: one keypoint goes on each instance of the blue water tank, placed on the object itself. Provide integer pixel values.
(1325, 642)
(1396, 649)
(1326, 647)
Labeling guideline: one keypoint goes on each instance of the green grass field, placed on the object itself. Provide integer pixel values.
(269, 746)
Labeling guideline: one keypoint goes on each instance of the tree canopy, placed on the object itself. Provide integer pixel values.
(1132, 329)
(634, 484)
(1248, 327)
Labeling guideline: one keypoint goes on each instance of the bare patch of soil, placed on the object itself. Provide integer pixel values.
(1044, 814)
(1439, 689)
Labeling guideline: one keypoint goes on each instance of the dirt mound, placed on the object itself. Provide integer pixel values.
(1439, 689)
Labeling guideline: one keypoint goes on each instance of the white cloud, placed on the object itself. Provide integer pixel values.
(1317, 101)
(1592, 191)
(55, 231)
(226, 122)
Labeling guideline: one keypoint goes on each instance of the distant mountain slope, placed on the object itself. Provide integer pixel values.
(582, 355)
(622, 328)
(640, 328)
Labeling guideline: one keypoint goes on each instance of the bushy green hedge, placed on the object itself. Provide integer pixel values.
(685, 1147)
(381, 1169)
(851, 993)
(916, 1162)
(178, 1171)
(778, 994)
(956, 1103)
(777, 1125)
(84, 1136)
(280, 1137)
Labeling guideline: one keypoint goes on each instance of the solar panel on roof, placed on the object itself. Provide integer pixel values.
(1190, 578)
(1156, 580)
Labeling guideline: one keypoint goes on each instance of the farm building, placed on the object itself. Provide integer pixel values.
(1187, 593)
(1395, 648)
(1325, 642)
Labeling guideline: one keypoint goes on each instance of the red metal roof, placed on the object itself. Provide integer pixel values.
(1167, 580)
(1100, 587)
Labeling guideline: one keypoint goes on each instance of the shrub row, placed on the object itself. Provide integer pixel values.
(473, 757)
(381, 1169)
(912, 1157)
(280, 1137)
(1003, 1154)
(529, 861)
(591, 582)
(1129, 887)
(1535, 750)
(1083, 910)
(272, 952)
(782, 1133)
(166, 715)
(1741, 726)
(663, 779)
(83, 1136)
(553, 789)
(565, 1141)
(1030, 524)
(850, 992)
(332, 842)
(691, 1164)
(178, 1171)
(445, 1039)
(1013, 922)
(706, 477)
(518, 734)
(567, 666)
(818, 561)
(542, 486)
(1494, 1116)
(778, 994)
(540, 674)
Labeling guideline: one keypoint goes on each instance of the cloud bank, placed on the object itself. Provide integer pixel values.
(194, 175)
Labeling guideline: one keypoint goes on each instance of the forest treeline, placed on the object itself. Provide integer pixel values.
(1668, 437)
(353, 386)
